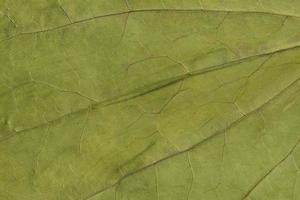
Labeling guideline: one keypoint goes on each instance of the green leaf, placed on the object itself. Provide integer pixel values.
(145, 100)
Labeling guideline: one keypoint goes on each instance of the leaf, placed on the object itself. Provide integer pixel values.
(143, 100)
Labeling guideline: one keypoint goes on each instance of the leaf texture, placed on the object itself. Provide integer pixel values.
(145, 100)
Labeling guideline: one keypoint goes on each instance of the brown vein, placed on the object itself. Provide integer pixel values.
(219, 132)
(144, 91)
(147, 11)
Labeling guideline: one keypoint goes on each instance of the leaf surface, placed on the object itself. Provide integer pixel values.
(155, 99)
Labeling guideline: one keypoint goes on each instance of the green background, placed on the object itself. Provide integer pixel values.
(149, 99)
